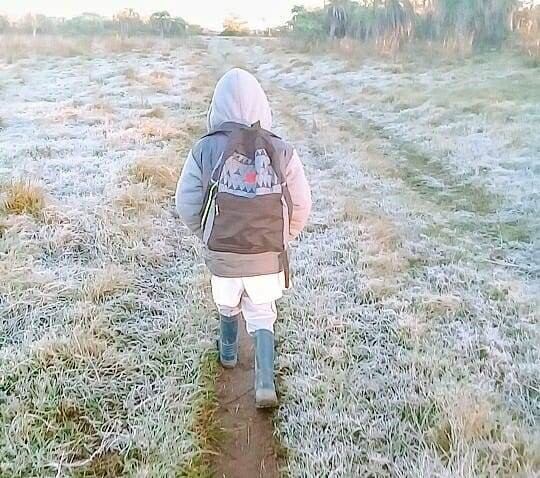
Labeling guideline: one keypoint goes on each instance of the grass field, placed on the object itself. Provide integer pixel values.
(409, 347)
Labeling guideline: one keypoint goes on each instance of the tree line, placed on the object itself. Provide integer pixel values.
(458, 24)
(126, 23)
(462, 25)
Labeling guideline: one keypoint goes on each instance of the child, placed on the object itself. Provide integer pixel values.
(243, 192)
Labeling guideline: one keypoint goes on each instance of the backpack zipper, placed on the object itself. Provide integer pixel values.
(208, 205)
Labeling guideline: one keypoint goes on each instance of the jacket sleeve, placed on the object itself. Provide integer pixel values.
(300, 194)
(190, 195)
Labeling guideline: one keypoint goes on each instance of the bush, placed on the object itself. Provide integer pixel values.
(86, 24)
(308, 24)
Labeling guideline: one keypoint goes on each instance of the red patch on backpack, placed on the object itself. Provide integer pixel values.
(250, 177)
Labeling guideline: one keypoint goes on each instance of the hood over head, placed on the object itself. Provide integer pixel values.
(239, 98)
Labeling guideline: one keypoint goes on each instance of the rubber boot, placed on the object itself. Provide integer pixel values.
(228, 340)
(265, 390)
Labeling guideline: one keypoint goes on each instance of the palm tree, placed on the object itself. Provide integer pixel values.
(162, 22)
(337, 18)
(466, 23)
(179, 26)
(397, 22)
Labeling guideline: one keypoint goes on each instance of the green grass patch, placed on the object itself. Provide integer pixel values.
(428, 175)
(205, 426)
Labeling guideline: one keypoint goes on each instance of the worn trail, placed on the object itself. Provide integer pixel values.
(246, 446)
(247, 449)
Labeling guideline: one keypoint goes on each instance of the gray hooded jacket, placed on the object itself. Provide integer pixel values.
(238, 98)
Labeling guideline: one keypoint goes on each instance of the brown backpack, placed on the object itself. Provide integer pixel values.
(247, 206)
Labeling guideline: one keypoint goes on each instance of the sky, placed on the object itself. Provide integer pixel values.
(208, 13)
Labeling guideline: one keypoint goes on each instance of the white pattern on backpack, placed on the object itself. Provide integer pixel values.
(249, 177)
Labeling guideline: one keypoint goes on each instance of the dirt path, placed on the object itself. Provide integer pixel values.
(247, 449)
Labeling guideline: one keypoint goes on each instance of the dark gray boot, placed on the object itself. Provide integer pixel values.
(265, 390)
(228, 340)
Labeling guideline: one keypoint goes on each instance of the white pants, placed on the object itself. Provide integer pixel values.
(254, 297)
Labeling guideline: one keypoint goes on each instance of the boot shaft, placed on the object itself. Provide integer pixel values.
(265, 391)
(228, 340)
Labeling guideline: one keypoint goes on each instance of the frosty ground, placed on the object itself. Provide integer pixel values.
(409, 346)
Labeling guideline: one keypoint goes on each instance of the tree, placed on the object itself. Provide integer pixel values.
(128, 20)
(161, 22)
(235, 26)
(180, 26)
(86, 24)
(36, 23)
(308, 24)
(468, 23)
(337, 18)
(4, 24)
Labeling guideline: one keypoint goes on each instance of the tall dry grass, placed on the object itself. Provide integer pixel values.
(14, 47)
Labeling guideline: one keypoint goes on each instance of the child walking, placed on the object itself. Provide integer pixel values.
(243, 192)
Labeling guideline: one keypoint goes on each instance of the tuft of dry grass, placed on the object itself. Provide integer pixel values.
(23, 197)
(131, 74)
(101, 106)
(155, 171)
(161, 81)
(441, 305)
(106, 282)
(115, 44)
(157, 129)
(135, 198)
(378, 227)
(156, 112)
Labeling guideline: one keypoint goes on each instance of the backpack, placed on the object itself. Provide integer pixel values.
(247, 206)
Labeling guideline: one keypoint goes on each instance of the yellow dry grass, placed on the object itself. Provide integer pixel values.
(135, 198)
(131, 74)
(156, 112)
(379, 228)
(155, 171)
(101, 107)
(14, 46)
(23, 197)
(107, 281)
(158, 129)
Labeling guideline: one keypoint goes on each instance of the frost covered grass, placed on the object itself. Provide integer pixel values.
(104, 313)
(409, 344)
